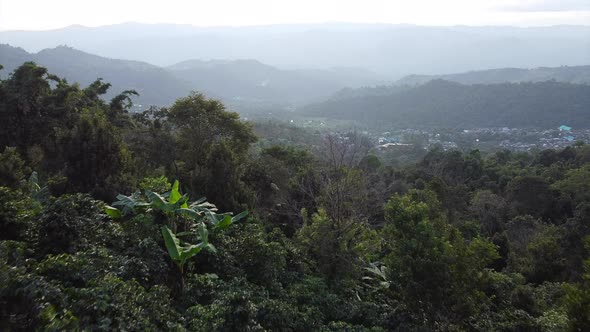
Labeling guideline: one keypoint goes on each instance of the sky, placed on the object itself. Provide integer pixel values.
(53, 14)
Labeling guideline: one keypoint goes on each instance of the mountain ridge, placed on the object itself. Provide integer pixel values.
(391, 50)
(243, 80)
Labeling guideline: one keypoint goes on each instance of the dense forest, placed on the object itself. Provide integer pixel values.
(104, 224)
(441, 103)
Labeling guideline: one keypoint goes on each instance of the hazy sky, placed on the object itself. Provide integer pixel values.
(49, 14)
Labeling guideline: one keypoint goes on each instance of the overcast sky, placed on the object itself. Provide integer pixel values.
(51, 14)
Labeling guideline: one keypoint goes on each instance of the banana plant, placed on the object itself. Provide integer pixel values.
(199, 214)
(128, 204)
(174, 203)
(37, 192)
(378, 276)
(181, 253)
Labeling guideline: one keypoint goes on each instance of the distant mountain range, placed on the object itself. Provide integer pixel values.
(248, 86)
(393, 51)
(440, 103)
(567, 74)
(235, 82)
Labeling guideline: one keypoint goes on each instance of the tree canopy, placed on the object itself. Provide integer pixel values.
(183, 219)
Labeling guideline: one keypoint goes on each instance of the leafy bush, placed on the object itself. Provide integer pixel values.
(75, 222)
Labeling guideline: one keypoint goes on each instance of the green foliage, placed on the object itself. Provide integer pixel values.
(156, 184)
(193, 219)
(94, 157)
(370, 163)
(75, 222)
(466, 241)
(264, 258)
(337, 247)
(431, 267)
(531, 195)
(109, 303)
(577, 299)
(33, 188)
(112, 212)
(212, 142)
(181, 254)
(17, 214)
(490, 210)
(61, 130)
(12, 168)
(576, 184)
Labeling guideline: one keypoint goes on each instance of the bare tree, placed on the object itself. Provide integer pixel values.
(345, 150)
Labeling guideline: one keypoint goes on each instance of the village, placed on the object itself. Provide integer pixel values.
(486, 139)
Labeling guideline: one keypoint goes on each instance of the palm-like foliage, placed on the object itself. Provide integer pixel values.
(179, 253)
(199, 215)
(377, 278)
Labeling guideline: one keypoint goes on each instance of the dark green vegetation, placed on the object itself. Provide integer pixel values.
(447, 104)
(334, 240)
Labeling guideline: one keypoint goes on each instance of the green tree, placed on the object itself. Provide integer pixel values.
(338, 247)
(576, 185)
(205, 129)
(12, 168)
(95, 157)
(434, 272)
(21, 110)
(490, 210)
(531, 195)
(577, 300)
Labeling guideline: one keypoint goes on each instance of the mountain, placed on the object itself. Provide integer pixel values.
(391, 50)
(251, 80)
(447, 104)
(155, 85)
(568, 74)
(239, 83)
(571, 74)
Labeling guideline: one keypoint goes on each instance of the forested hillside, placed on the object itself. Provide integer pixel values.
(442, 103)
(104, 225)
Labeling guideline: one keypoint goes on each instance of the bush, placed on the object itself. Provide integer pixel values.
(16, 213)
(75, 222)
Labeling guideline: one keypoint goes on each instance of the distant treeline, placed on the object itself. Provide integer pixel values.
(572, 74)
(442, 103)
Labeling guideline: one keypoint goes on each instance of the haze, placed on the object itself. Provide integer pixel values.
(17, 15)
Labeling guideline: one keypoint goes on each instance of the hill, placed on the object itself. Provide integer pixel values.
(571, 74)
(239, 83)
(442, 103)
(155, 85)
(251, 80)
(393, 50)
